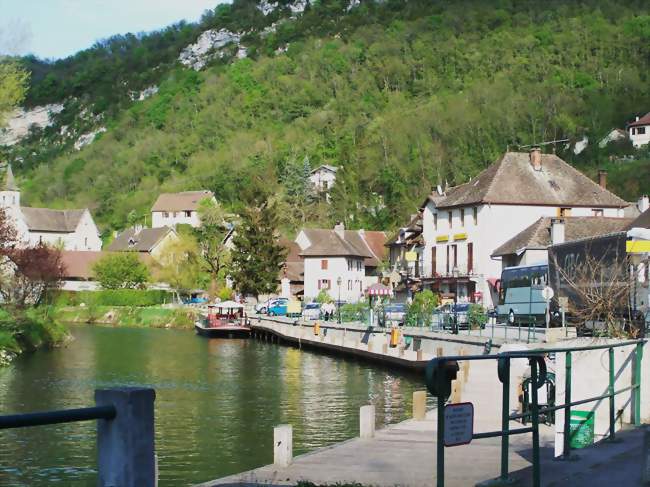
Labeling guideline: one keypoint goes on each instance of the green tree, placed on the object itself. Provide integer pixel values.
(212, 237)
(181, 265)
(122, 270)
(420, 312)
(257, 262)
(13, 86)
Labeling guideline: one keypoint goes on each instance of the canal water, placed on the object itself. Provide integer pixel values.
(217, 402)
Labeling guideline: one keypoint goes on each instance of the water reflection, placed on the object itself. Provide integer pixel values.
(217, 402)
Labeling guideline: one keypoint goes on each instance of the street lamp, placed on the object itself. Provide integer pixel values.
(338, 304)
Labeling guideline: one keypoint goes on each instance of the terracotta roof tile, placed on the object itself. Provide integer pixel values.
(538, 235)
(512, 180)
(644, 120)
(184, 201)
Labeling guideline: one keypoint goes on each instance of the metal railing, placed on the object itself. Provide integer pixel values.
(436, 383)
(125, 433)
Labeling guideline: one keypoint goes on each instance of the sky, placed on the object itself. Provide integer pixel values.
(59, 28)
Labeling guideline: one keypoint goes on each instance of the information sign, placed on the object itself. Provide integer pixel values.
(459, 423)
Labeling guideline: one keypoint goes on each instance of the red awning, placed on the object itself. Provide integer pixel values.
(494, 282)
(379, 289)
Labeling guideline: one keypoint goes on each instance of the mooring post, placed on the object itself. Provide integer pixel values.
(283, 445)
(125, 444)
(419, 405)
(367, 421)
(645, 474)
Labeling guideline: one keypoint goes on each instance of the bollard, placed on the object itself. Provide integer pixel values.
(439, 352)
(455, 391)
(367, 421)
(283, 445)
(419, 405)
(125, 444)
(418, 355)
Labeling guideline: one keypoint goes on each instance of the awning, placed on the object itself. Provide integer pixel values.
(494, 282)
(379, 289)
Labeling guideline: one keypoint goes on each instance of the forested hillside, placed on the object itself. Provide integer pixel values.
(402, 95)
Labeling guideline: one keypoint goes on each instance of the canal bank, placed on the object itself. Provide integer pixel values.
(217, 402)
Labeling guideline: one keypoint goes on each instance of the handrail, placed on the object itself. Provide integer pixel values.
(57, 417)
(536, 360)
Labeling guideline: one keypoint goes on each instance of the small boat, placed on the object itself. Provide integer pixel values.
(224, 320)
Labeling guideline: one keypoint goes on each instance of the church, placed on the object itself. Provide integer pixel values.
(65, 229)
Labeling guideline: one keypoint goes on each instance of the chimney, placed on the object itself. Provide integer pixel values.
(644, 203)
(637, 118)
(602, 178)
(339, 228)
(557, 231)
(536, 158)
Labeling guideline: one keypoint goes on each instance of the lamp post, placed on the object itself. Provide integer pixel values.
(338, 303)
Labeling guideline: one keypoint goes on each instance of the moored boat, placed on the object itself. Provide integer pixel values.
(224, 320)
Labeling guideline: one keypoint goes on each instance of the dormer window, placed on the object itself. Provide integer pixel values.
(132, 242)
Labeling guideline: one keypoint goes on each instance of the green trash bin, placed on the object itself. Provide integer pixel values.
(581, 428)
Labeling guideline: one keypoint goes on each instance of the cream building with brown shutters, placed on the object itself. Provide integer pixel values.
(170, 209)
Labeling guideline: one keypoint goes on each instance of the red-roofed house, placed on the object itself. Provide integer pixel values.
(639, 130)
(342, 262)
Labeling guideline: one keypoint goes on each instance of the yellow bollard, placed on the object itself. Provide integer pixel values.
(394, 337)
(317, 328)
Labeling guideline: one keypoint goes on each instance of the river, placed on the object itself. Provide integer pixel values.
(217, 402)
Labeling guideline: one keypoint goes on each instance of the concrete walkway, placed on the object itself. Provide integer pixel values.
(400, 455)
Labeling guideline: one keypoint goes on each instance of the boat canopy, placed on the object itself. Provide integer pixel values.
(228, 305)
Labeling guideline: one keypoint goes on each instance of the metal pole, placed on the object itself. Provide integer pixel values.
(440, 447)
(535, 423)
(505, 421)
(612, 416)
(566, 451)
(638, 357)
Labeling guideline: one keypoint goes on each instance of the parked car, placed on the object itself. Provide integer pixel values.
(277, 307)
(262, 308)
(394, 314)
(311, 311)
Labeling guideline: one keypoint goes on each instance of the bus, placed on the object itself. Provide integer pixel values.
(520, 294)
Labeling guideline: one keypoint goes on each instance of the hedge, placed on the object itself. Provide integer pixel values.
(113, 297)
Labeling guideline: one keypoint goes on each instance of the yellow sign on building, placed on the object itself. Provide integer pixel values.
(442, 238)
(460, 236)
(637, 246)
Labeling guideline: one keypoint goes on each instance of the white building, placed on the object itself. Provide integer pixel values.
(639, 130)
(463, 226)
(171, 209)
(342, 262)
(67, 229)
(323, 178)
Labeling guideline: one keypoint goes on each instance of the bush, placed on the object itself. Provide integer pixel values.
(420, 312)
(113, 297)
(355, 312)
(323, 297)
(123, 270)
(476, 315)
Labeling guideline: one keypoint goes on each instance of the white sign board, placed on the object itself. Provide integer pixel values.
(459, 423)
(548, 293)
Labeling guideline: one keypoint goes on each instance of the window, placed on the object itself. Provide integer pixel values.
(462, 217)
(640, 131)
(86, 242)
(562, 212)
(597, 212)
(349, 284)
(435, 221)
(188, 214)
(324, 284)
(470, 257)
(174, 214)
(475, 211)
(454, 248)
(448, 249)
(323, 264)
(325, 185)
(359, 265)
(434, 264)
(165, 214)
(449, 217)
(349, 264)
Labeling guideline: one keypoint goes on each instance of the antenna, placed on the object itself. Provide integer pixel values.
(540, 144)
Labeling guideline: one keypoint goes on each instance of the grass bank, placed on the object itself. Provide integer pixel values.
(28, 330)
(130, 316)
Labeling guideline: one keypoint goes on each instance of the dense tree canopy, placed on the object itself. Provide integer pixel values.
(401, 95)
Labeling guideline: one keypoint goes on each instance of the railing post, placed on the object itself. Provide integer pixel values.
(367, 421)
(638, 357)
(283, 445)
(566, 451)
(535, 423)
(612, 413)
(125, 444)
(419, 405)
(505, 419)
(440, 446)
